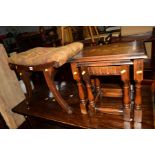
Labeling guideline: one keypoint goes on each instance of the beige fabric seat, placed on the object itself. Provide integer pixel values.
(43, 55)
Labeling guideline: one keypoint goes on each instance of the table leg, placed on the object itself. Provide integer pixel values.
(86, 78)
(138, 77)
(98, 89)
(98, 85)
(137, 125)
(126, 94)
(127, 125)
(49, 77)
(77, 77)
(93, 84)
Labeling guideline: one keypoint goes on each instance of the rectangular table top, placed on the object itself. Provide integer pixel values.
(116, 51)
(49, 109)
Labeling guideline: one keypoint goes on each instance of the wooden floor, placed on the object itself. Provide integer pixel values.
(50, 115)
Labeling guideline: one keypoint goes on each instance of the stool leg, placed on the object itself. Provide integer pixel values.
(126, 95)
(138, 77)
(49, 77)
(86, 78)
(25, 77)
(76, 76)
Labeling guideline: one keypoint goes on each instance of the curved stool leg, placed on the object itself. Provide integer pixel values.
(49, 77)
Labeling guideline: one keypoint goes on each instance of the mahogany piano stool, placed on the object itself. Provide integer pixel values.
(111, 59)
(46, 60)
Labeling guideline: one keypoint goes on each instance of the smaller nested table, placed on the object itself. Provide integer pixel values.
(46, 60)
(112, 59)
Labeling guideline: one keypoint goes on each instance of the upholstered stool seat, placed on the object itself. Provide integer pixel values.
(44, 59)
(43, 55)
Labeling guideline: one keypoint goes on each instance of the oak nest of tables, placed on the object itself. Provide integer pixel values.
(112, 59)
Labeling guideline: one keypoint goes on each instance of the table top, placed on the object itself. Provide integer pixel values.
(115, 51)
(49, 109)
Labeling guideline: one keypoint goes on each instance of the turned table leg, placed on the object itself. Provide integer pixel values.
(98, 85)
(86, 78)
(98, 89)
(77, 77)
(138, 77)
(49, 77)
(126, 89)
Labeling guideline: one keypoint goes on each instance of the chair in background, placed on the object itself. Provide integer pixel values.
(65, 34)
(92, 35)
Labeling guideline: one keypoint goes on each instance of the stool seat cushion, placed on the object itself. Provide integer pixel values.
(44, 55)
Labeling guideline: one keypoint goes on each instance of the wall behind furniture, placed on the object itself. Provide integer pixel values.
(131, 30)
